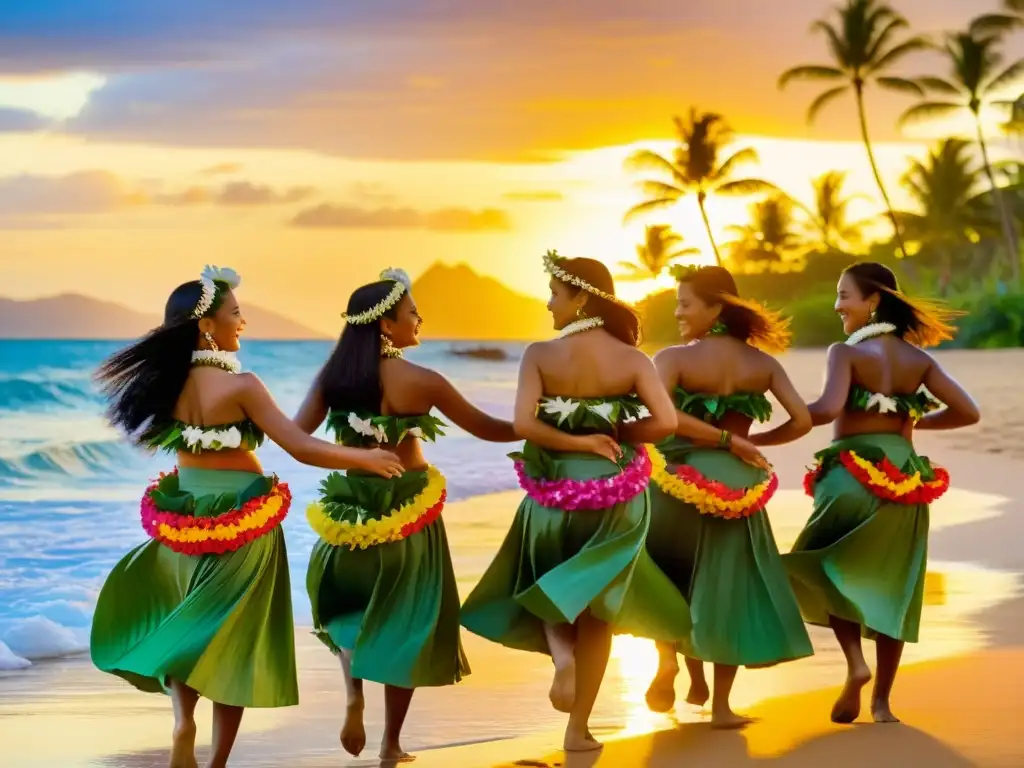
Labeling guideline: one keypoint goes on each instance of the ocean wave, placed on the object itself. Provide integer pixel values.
(37, 638)
(21, 394)
(96, 458)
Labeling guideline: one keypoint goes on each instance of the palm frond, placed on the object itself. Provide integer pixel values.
(745, 155)
(652, 188)
(1006, 78)
(892, 26)
(893, 55)
(840, 52)
(938, 85)
(901, 85)
(809, 72)
(648, 160)
(928, 110)
(649, 205)
(823, 100)
(994, 24)
(744, 187)
(633, 272)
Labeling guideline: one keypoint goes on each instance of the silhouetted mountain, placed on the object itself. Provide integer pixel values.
(457, 303)
(73, 316)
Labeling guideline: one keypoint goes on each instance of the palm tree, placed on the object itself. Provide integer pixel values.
(827, 222)
(661, 247)
(695, 169)
(978, 75)
(770, 237)
(863, 46)
(952, 210)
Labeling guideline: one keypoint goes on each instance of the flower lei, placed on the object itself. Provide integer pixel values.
(551, 260)
(885, 480)
(869, 332)
(208, 280)
(217, 358)
(190, 535)
(710, 497)
(599, 493)
(402, 283)
(411, 517)
(581, 325)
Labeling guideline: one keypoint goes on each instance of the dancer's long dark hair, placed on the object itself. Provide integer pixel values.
(350, 379)
(919, 321)
(144, 380)
(743, 319)
(620, 320)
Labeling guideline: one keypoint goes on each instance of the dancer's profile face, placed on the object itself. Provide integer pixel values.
(694, 316)
(404, 329)
(564, 305)
(852, 306)
(226, 324)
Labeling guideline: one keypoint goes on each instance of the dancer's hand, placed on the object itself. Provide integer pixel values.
(381, 462)
(742, 448)
(602, 445)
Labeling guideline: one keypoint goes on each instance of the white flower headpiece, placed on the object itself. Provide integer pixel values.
(209, 278)
(551, 259)
(402, 286)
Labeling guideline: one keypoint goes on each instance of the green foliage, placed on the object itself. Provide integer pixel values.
(993, 322)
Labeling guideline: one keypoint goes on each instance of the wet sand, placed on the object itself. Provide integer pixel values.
(957, 694)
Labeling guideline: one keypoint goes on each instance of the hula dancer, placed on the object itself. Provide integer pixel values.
(709, 529)
(859, 564)
(204, 608)
(572, 569)
(380, 578)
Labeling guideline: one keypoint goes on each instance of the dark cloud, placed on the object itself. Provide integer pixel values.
(83, 192)
(246, 193)
(534, 196)
(435, 79)
(20, 120)
(329, 216)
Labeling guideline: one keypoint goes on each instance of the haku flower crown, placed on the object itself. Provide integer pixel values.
(551, 262)
(402, 286)
(209, 278)
(681, 272)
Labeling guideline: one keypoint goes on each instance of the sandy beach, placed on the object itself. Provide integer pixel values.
(959, 693)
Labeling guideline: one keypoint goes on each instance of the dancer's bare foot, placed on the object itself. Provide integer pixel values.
(183, 746)
(881, 712)
(727, 720)
(580, 741)
(698, 694)
(353, 734)
(393, 753)
(563, 687)
(661, 695)
(847, 706)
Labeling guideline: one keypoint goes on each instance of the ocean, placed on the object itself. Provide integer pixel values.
(70, 485)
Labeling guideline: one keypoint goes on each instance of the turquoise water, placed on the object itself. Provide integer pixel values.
(69, 485)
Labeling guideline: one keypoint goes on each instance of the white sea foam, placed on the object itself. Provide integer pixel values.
(9, 660)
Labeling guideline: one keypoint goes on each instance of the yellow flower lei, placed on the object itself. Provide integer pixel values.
(879, 478)
(706, 502)
(388, 528)
(253, 521)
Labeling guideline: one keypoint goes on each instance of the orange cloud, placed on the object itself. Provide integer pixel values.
(327, 216)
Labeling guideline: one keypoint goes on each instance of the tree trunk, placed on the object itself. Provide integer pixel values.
(859, 90)
(1013, 251)
(707, 226)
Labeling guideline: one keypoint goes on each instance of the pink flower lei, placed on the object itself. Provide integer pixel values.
(599, 493)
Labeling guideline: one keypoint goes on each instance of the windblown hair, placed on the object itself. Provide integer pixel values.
(620, 320)
(744, 319)
(919, 321)
(350, 379)
(144, 381)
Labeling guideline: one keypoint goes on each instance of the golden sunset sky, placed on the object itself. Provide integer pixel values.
(310, 144)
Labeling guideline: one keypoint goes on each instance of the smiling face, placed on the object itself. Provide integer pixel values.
(226, 324)
(852, 306)
(565, 305)
(404, 328)
(695, 318)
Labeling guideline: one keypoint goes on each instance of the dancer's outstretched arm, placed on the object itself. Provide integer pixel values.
(449, 401)
(838, 377)
(799, 422)
(312, 412)
(960, 410)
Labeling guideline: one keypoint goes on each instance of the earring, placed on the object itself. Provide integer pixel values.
(872, 316)
(580, 314)
(211, 342)
(387, 349)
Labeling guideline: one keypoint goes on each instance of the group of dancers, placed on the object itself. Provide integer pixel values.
(644, 509)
